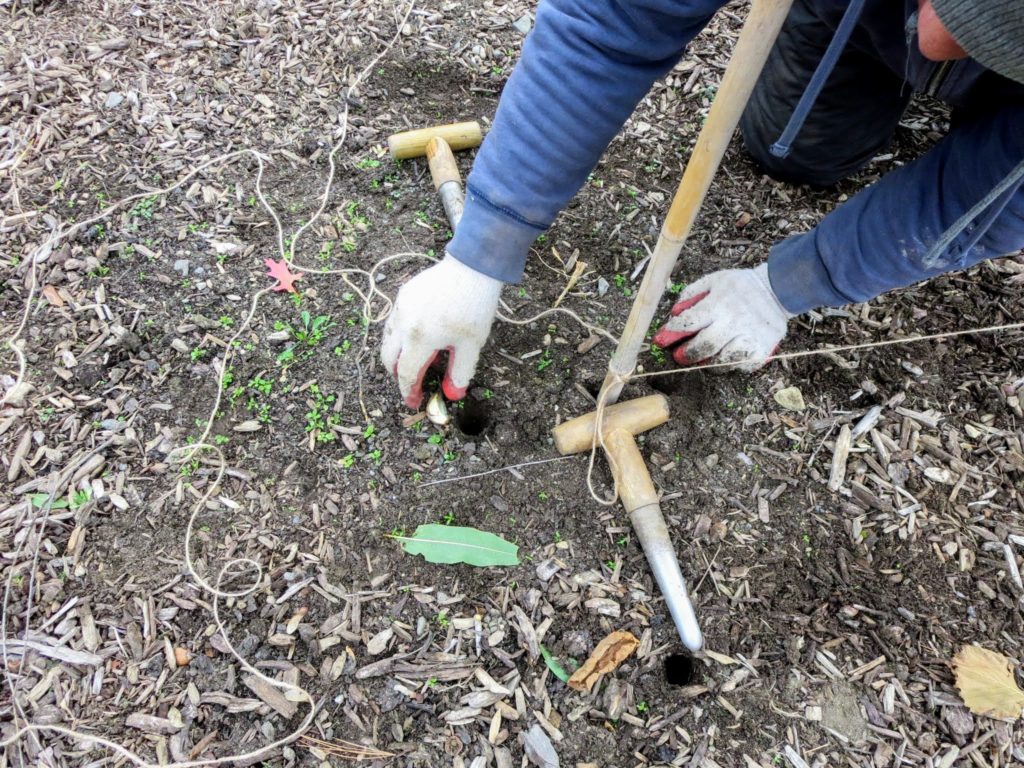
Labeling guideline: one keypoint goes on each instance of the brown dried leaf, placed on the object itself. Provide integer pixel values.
(606, 658)
(51, 295)
(985, 681)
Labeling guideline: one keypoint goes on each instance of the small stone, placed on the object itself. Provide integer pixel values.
(578, 643)
(523, 24)
(182, 657)
(790, 398)
(505, 433)
(17, 394)
(379, 642)
(546, 569)
(114, 100)
(181, 266)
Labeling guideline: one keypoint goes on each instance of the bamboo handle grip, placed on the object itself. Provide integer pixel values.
(414, 143)
(442, 163)
(634, 416)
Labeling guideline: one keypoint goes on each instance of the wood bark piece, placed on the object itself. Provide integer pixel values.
(271, 696)
(606, 658)
(151, 724)
(59, 652)
(539, 749)
(839, 457)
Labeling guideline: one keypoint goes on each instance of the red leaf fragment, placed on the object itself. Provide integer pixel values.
(279, 271)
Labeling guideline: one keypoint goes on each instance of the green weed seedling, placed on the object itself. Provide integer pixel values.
(320, 418)
(313, 328)
(622, 283)
(143, 209)
(545, 361)
(80, 497)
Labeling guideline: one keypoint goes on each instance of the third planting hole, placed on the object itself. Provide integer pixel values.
(679, 669)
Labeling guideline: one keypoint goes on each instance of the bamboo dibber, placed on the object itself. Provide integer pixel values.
(755, 41)
(613, 427)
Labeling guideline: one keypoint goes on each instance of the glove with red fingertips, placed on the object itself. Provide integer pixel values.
(730, 316)
(448, 307)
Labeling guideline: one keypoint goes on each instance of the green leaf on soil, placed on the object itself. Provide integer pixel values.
(40, 500)
(556, 669)
(453, 544)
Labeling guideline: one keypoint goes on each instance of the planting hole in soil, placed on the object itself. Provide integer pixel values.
(679, 669)
(472, 416)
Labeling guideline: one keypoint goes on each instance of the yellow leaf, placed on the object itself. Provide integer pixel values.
(985, 681)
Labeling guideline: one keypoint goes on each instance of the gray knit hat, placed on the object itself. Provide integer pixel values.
(991, 31)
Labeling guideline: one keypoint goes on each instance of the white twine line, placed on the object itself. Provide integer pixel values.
(598, 437)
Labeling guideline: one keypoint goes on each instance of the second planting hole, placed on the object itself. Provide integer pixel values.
(472, 417)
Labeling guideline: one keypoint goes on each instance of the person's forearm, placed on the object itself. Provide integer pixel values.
(584, 67)
(885, 236)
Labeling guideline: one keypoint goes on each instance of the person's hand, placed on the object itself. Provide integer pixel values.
(447, 307)
(730, 316)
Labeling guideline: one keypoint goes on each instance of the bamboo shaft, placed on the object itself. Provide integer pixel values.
(634, 481)
(443, 167)
(447, 179)
(756, 40)
(640, 498)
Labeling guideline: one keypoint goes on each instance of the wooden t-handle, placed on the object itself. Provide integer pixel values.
(414, 143)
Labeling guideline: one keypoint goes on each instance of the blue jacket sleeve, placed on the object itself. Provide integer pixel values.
(584, 67)
(885, 236)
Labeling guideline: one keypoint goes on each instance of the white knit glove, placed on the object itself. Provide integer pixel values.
(730, 316)
(447, 307)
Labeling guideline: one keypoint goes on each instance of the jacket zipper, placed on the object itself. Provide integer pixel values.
(937, 78)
